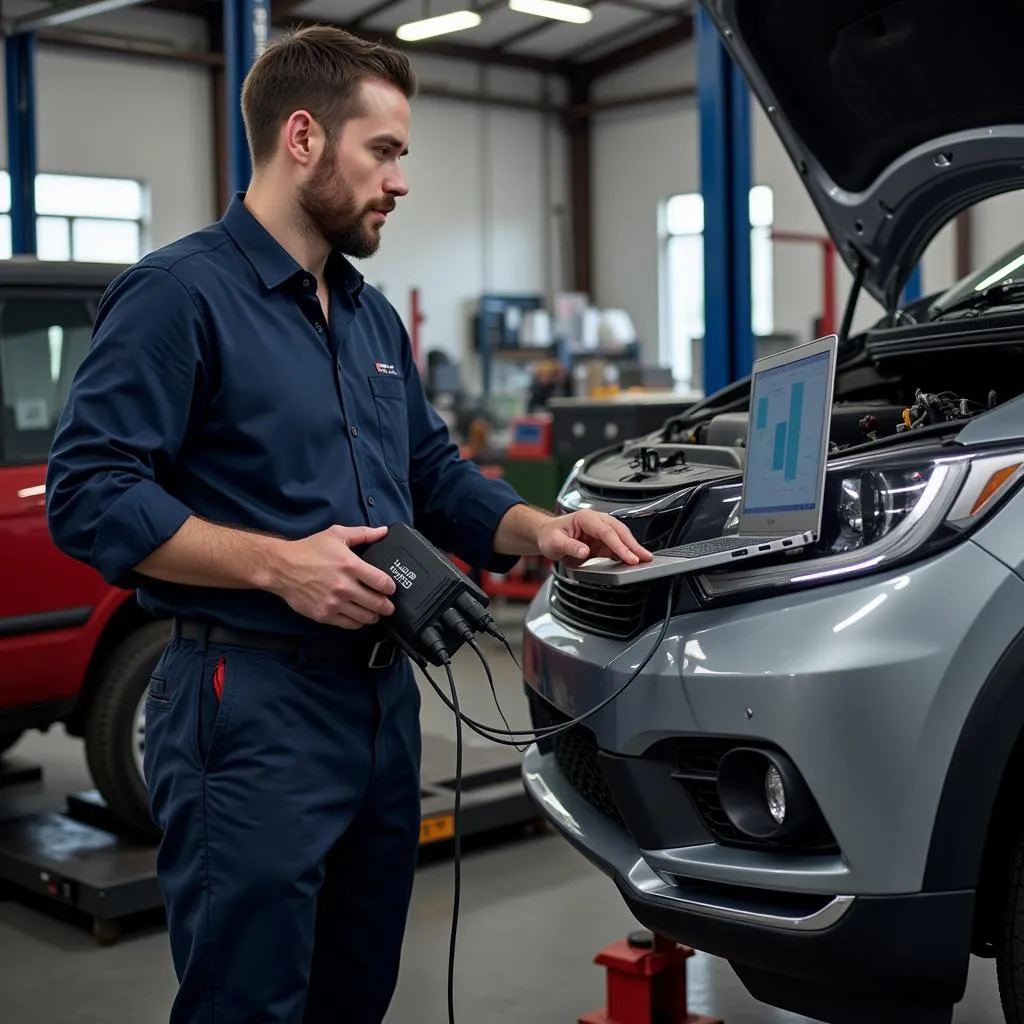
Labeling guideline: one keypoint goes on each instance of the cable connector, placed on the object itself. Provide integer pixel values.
(478, 615)
(434, 643)
(454, 623)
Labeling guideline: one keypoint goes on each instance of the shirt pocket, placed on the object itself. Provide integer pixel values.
(393, 424)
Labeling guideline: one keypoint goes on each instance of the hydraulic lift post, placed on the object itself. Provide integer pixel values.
(725, 181)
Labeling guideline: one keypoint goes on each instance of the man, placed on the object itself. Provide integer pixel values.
(247, 419)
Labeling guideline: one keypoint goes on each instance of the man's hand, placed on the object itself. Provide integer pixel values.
(588, 534)
(322, 578)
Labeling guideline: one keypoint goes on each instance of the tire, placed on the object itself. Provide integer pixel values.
(115, 728)
(8, 738)
(1010, 941)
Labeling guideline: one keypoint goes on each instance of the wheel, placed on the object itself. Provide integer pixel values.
(115, 731)
(8, 738)
(1010, 941)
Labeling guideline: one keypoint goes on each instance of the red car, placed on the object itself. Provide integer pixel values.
(73, 650)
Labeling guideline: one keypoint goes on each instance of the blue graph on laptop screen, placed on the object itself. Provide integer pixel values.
(785, 450)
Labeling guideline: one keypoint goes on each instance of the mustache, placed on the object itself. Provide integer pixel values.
(388, 207)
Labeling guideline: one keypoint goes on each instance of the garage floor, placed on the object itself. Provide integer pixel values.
(533, 915)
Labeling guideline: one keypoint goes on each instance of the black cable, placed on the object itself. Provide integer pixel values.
(495, 735)
(508, 647)
(494, 692)
(457, 842)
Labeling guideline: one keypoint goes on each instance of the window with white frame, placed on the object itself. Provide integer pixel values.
(682, 276)
(98, 220)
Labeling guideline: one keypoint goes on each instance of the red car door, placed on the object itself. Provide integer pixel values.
(46, 598)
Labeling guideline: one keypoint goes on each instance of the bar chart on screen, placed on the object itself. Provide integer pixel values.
(784, 457)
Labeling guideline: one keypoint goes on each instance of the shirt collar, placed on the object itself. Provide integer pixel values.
(274, 264)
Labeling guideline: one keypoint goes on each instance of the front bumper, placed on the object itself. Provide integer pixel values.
(864, 685)
(838, 959)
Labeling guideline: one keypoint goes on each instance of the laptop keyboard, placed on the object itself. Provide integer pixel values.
(713, 545)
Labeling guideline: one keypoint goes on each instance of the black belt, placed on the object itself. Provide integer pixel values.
(373, 651)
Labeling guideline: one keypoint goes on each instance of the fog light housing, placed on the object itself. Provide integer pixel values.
(763, 794)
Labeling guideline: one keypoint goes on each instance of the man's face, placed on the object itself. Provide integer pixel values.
(358, 180)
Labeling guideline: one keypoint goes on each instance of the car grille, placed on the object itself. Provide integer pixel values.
(697, 761)
(575, 752)
(619, 613)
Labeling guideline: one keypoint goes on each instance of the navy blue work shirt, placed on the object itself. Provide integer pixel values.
(214, 386)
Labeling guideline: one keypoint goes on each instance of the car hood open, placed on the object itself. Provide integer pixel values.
(897, 114)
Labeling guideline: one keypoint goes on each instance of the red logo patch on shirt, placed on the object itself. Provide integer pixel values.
(386, 368)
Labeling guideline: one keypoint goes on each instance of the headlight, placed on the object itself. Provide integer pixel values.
(879, 511)
(870, 504)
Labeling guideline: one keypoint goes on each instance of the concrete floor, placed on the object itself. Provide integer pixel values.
(533, 915)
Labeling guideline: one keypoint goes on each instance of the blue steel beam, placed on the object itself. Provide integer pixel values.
(246, 29)
(914, 288)
(725, 181)
(20, 83)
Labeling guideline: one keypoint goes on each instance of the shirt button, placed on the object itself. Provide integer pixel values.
(369, 500)
(355, 431)
(305, 282)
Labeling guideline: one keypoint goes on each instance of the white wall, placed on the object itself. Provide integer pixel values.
(642, 155)
(481, 214)
(998, 227)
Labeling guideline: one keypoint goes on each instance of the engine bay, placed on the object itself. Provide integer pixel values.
(878, 399)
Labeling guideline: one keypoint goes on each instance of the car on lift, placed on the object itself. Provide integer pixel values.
(812, 765)
(73, 650)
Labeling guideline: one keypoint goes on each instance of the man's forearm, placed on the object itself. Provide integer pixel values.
(203, 554)
(518, 530)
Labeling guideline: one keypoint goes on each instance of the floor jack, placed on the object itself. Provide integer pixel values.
(646, 983)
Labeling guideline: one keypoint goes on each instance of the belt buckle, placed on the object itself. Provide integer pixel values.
(382, 654)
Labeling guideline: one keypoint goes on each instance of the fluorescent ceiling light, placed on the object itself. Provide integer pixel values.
(456, 21)
(553, 9)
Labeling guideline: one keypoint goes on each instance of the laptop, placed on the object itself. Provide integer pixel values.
(783, 474)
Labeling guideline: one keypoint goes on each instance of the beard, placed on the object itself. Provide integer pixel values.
(328, 205)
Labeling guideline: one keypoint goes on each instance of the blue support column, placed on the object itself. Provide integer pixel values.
(246, 28)
(914, 288)
(20, 75)
(725, 181)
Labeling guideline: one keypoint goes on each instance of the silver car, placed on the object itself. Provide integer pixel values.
(818, 772)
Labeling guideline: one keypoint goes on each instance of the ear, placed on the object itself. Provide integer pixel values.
(303, 138)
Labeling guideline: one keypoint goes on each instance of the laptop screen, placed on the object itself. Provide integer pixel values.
(784, 447)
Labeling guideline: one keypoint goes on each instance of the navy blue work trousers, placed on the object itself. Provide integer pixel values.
(288, 793)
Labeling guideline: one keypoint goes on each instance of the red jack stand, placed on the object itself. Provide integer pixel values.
(646, 983)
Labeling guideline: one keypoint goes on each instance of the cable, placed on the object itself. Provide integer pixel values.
(497, 735)
(508, 647)
(457, 842)
(494, 692)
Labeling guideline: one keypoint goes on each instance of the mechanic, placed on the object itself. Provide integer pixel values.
(247, 418)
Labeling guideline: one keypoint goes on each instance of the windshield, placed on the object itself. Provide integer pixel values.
(1008, 267)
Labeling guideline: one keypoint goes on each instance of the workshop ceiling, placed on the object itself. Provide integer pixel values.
(615, 24)
(621, 32)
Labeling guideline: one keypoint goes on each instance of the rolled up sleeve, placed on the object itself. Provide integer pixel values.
(108, 488)
(456, 505)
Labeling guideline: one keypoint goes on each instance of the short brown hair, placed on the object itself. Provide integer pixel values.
(317, 68)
